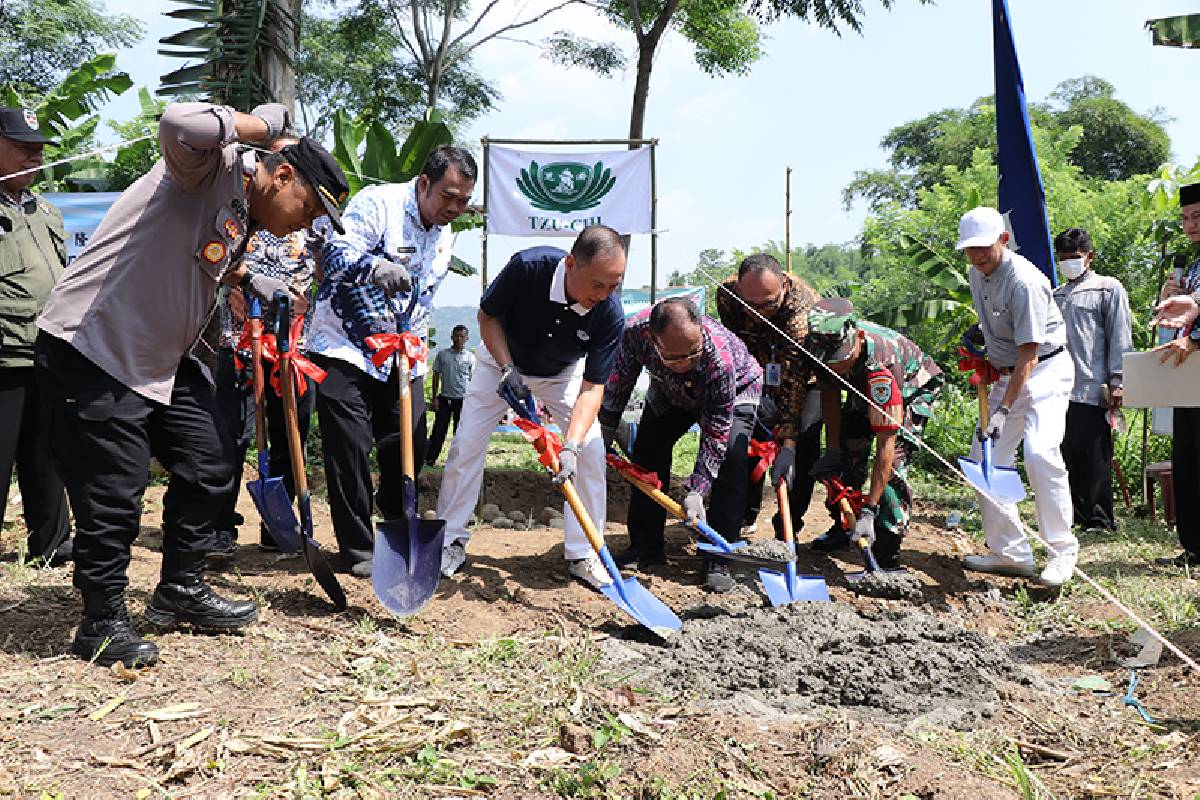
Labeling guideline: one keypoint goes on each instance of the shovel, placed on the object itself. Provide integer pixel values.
(787, 587)
(313, 556)
(848, 520)
(269, 494)
(407, 558)
(1002, 483)
(720, 547)
(629, 595)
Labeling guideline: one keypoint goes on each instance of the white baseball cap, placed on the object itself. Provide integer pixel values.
(979, 227)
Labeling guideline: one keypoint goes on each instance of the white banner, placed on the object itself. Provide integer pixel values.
(559, 194)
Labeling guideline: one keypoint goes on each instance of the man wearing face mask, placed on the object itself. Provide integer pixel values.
(1095, 309)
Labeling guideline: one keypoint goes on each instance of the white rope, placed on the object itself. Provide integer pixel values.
(1107, 595)
(79, 157)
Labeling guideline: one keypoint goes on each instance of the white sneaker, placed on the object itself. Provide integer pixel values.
(453, 557)
(1058, 571)
(999, 565)
(590, 569)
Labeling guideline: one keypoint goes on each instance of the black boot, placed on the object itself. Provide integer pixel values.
(832, 540)
(182, 596)
(106, 635)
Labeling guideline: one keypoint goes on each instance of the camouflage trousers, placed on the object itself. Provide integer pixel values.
(891, 523)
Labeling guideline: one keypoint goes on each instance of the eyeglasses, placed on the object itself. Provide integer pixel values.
(763, 305)
(666, 359)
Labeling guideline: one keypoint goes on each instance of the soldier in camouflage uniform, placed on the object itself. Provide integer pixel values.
(903, 384)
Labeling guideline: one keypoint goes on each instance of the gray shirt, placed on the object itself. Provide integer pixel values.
(1095, 309)
(138, 296)
(1015, 307)
(455, 368)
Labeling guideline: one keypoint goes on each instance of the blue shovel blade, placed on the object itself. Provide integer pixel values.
(1002, 483)
(787, 587)
(275, 508)
(636, 601)
(406, 563)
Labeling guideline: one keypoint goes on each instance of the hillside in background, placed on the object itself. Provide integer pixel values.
(446, 317)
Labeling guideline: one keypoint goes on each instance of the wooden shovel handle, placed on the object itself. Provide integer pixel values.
(573, 500)
(982, 393)
(256, 374)
(291, 421)
(785, 512)
(403, 373)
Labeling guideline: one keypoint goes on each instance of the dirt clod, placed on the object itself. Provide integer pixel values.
(574, 738)
(903, 664)
(770, 548)
(889, 585)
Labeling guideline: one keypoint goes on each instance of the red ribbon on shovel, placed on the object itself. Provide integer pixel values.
(766, 452)
(546, 442)
(981, 369)
(387, 344)
(633, 471)
(300, 365)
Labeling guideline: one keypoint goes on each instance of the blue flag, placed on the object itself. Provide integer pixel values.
(1022, 199)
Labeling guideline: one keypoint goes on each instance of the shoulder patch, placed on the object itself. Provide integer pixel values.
(213, 252)
(880, 385)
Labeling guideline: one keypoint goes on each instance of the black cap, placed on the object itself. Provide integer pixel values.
(21, 125)
(322, 171)
(1189, 195)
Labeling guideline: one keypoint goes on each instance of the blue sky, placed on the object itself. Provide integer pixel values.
(815, 102)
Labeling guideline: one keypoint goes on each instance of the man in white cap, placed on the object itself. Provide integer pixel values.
(1026, 342)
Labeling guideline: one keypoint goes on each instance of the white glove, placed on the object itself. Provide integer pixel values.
(865, 527)
(277, 117)
(693, 507)
(391, 276)
(568, 461)
(995, 425)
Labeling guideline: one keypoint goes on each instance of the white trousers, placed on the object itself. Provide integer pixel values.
(1039, 418)
(482, 410)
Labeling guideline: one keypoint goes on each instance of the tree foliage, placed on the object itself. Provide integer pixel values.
(135, 160)
(1115, 142)
(45, 40)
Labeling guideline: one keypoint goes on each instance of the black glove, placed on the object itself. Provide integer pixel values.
(829, 465)
(277, 117)
(391, 276)
(618, 436)
(512, 379)
(784, 468)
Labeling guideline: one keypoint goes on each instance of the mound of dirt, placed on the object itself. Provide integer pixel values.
(889, 585)
(896, 665)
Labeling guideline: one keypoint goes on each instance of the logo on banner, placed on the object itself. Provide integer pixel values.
(565, 186)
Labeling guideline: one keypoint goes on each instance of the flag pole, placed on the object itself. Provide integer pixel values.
(787, 216)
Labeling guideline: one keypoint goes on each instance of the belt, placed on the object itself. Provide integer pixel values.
(1040, 359)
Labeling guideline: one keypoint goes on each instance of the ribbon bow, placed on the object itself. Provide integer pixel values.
(385, 344)
(766, 452)
(633, 472)
(836, 492)
(300, 365)
(546, 442)
(980, 368)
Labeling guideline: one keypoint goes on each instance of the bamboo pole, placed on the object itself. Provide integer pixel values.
(787, 216)
(483, 281)
(653, 222)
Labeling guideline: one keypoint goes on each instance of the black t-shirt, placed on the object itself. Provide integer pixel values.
(545, 336)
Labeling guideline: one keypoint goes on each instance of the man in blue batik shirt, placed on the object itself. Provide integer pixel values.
(388, 264)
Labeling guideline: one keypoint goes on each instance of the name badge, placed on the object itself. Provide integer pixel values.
(772, 374)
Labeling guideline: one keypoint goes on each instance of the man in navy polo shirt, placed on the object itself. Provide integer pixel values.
(550, 325)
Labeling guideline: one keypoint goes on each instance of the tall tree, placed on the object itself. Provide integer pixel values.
(725, 34)
(44, 40)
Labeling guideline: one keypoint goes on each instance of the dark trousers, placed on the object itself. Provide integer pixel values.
(103, 435)
(25, 444)
(1185, 468)
(237, 416)
(356, 411)
(1087, 450)
(449, 408)
(808, 450)
(652, 449)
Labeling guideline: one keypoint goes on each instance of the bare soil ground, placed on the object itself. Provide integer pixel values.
(503, 687)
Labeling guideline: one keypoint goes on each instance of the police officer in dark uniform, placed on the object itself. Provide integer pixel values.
(113, 358)
(32, 256)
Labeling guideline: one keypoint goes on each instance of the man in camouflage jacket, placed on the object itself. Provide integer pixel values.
(902, 383)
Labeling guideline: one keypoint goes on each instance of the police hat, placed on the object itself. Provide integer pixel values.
(321, 170)
(21, 125)
(832, 324)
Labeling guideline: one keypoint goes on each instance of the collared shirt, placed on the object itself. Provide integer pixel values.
(288, 258)
(32, 255)
(379, 221)
(455, 368)
(138, 296)
(545, 332)
(724, 376)
(1095, 309)
(765, 344)
(1015, 307)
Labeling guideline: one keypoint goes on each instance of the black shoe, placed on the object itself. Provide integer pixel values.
(1184, 559)
(717, 578)
(184, 598)
(106, 636)
(224, 546)
(831, 541)
(633, 560)
(361, 569)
